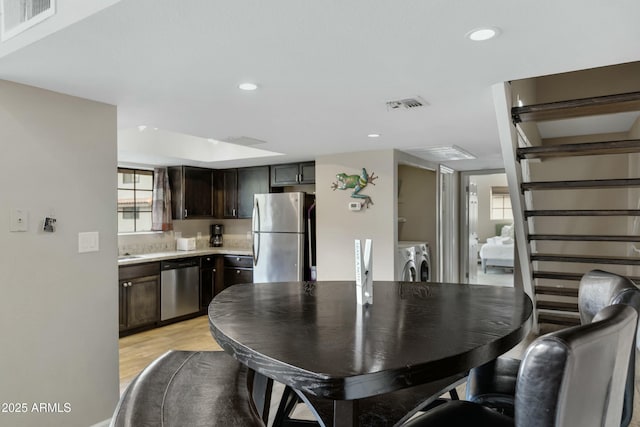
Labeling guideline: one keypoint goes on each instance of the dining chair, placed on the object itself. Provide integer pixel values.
(569, 378)
(190, 388)
(493, 384)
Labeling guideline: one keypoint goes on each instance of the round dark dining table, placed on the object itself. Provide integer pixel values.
(315, 338)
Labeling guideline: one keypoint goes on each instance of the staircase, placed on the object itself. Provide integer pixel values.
(578, 200)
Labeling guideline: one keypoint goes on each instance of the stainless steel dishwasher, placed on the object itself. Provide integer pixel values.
(179, 284)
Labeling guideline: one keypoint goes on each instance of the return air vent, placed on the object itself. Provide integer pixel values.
(407, 103)
(19, 15)
(447, 153)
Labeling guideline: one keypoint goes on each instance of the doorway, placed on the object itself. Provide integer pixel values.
(487, 240)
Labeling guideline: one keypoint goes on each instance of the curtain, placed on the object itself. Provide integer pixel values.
(161, 204)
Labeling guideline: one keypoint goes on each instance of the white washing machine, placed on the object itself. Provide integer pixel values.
(422, 259)
(406, 263)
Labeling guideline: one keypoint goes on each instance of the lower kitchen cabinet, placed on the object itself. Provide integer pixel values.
(208, 278)
(237, 269)
(139, 296)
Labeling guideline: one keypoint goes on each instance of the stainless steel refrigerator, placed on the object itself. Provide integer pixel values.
(283, 231)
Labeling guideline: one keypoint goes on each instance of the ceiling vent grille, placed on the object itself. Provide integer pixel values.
(441, 154)
(19, 15)
(247, 141)
(406, 103)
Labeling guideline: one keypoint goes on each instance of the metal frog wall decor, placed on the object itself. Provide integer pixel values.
(357, 182)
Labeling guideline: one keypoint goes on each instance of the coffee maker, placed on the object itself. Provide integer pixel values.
(216, 235)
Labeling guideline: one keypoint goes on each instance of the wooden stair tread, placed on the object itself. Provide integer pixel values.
(582, 212)
(556, 275)
(556, 290)
(598, 105)
(595, 259)
(624, 146)
(589, 183)
(557, 305)
(585, 237)
(558, 318)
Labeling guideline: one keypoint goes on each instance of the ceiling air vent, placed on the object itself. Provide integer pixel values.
(247, 141)
(19, 15)
(407, 103)
(447, 153)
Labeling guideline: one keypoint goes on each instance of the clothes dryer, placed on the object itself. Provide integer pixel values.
(422, 259)
(406, 263)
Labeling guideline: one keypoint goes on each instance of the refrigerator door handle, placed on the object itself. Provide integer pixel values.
(256, 232)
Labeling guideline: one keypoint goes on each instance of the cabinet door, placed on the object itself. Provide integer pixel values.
(284, 174)
(234, 276)
(230, 193)
(122, 304)
(308, 173)
(251, 181)
(207, 287)
(198, 194)
(143, 297)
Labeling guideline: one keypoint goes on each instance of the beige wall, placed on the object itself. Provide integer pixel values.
(586, 83)
(417, 204)
(588, 167)
(338, 227)
(58, 311)
(487, 226)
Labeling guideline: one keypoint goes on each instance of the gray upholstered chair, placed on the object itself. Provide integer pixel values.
(570, 378)
(493, 384)
(189, 388)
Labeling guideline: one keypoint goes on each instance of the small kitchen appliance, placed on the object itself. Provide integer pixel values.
(216, 235)
(186, 244)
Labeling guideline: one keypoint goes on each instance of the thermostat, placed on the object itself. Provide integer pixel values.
(355, 206)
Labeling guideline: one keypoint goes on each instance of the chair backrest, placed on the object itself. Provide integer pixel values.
(599, 289)
(576, 377)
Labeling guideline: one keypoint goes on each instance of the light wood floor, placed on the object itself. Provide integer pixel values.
(138, 350)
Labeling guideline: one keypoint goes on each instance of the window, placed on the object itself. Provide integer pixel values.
(500, 203)
(135, 192)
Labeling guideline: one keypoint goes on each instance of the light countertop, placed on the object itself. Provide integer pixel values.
(161, 256)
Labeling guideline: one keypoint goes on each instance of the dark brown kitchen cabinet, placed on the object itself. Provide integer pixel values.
(251, 181)
(230, 193)
(237, 269)
(139, 296)
(293, 174)
(239, 186)
(192, 192)
(208, 278)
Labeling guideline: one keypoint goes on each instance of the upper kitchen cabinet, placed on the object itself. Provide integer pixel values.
(229, 193)
(293, 174)
(192, 192)
(239, 186)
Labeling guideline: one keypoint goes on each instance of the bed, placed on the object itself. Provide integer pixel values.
(499, 250)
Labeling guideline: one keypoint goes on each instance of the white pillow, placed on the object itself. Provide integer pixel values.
(506, 230)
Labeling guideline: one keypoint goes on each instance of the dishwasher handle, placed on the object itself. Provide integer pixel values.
(179, 263)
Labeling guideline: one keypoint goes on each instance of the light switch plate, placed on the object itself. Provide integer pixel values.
(19, 220)
(88, 242)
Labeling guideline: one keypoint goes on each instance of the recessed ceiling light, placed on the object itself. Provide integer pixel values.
(482, 34)
(248, 86)
(142, 127)
(374, 135)
(215, 142)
